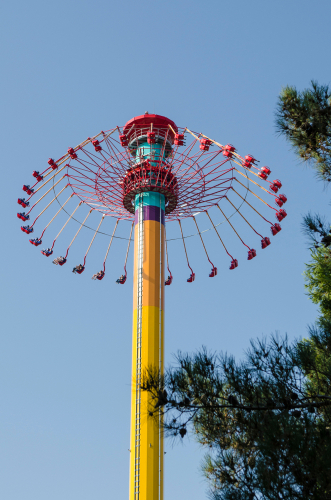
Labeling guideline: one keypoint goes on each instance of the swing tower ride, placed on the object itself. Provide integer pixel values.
(144, 173)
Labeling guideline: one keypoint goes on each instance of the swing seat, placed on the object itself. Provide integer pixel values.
(276, 184)
(71, 153)
(21, 201)
(205, 144)
(234, 264)
(251, 254)
(228, 150)
(96, 145)
(248, 161)
(121, 280)
(59, 261)
(23, 217)
(191, 278)
(47, 252)
(281, 200)
(38, 177)
(275, 229)
(98, 276)
(281, 214)
(27, 229)
(36, 242)
(52, 163)
(124, 141)
(213, 272)
(27, 189)
(168, 281)
(250, 158)
(179, 140)
(78, 269)
(266, 170)
(265, 242)
(151, 137)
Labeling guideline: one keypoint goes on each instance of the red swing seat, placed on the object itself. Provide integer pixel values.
(27, 229)
(205, 144)
(276, 184)
(168, 281)
(265, 242)
(234, 264)
(96, 145)
(124, 141)
(151, 137)
(121, 281)
(29, 190)
(78, 270)
(22, 216)
(60, 261)
(37, 175)
(71, 153)
(47, 252)
(248, 161)
(179, 140)
(36, 242)
(52, 163)
(275, 229)
(251, 254)
(21, 201)
(281, 214)
(228, 150)
(213, 272)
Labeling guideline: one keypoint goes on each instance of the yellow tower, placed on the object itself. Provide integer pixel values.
(146, 461)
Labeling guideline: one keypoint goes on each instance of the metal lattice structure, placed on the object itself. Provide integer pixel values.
(152, 173)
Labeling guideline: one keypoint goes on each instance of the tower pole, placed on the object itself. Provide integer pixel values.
(146, 457)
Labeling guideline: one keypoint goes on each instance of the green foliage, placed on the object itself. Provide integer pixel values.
(315, 360)
(318, 279)
(260, 419)
(318, 232)
(315, 352)
(304, 118)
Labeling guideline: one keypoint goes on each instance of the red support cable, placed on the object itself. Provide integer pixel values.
(192, 277)
(214, 269)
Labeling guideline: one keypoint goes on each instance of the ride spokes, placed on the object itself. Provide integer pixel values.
(193, 172)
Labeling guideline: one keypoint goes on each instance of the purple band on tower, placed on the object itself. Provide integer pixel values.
(151, 212)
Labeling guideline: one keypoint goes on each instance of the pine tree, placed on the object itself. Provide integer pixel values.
(318, 280)
(304, 118)
(264, 423)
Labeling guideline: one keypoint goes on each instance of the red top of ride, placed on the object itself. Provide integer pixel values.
(146, 121)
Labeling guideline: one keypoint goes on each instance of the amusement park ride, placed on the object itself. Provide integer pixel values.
(148, 172)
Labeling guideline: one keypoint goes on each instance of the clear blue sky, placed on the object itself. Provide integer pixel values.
(70, 69)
